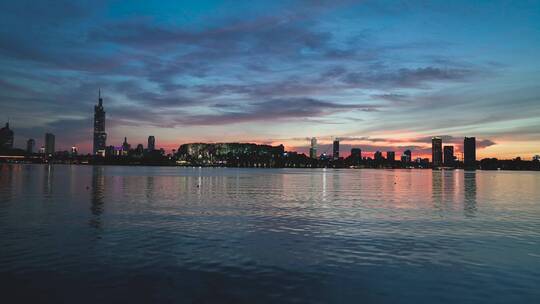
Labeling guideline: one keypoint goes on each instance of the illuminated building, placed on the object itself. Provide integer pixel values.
(313, 148)
(100, 137)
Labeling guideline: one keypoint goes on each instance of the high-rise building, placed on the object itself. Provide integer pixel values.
(49, 144)
(391, 156)
(449, 158)
(6, 137)
(336, 149)
(151, 143)
(30, 144)
(407, 156)
(313, 148)
(74, 151)
(100, 137)
(469, 149)
(436, 151)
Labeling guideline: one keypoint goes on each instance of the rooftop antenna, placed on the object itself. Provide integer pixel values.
(99, 96)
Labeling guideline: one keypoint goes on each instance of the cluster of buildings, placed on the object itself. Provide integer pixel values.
(7, 137)
(247, 154)
(444, 156)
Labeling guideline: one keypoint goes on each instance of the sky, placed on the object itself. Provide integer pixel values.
(379, 75)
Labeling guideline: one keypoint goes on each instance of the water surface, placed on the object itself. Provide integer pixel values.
(85, 234)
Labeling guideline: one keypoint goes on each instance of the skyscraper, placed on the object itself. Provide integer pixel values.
(469, 148)
(436, 151)
(30, 144)
(6, 137)
(49, 143)
(151, 143)
(336, 149)
(449, 156)
(100, 137)
(313, 148)
(407, 156)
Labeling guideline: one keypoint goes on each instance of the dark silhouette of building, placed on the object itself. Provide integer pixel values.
(356, 153)
(49, 144)
(469, 148)
(125, 147)
(436, 151)
(30, 145)
(6, 137)
(140, 149)
(151, 143)
(335, 150)
(100, 137)
(313, 148)
(449, 158)
(356, 156)
(407, 156)
(391, 156)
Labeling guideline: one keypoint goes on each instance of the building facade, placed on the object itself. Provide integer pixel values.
(100, 137)
(151, 143)
(30, 146)
(407, 156)
(469, 155)
(313, 148)
(335, 150)
(49, 144)
(436, 151)
(6, 137)
(449, 158)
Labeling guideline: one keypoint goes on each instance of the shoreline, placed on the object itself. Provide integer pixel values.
(255, 167)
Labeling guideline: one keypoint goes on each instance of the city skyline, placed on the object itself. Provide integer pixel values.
(379, 76)
(439, 157)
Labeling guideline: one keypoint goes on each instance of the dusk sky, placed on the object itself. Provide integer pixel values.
(379, 75)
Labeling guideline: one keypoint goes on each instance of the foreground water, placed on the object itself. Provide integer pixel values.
(151, 235)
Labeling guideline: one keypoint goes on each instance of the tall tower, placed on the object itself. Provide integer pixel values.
(336, 149)
(313, 148)
(469, 147)
(100, 137)
(436, 151)
(49, 144)
(151, 143)
(449, 156)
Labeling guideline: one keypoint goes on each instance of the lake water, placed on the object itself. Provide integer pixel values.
(82, 234)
